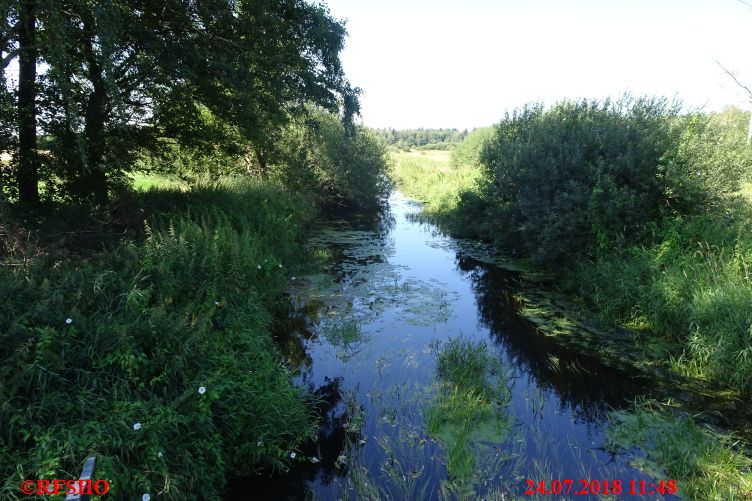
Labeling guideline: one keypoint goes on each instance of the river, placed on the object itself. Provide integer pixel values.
(363, 336)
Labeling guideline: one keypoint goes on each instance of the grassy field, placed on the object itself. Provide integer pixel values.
(143, 182)
(430, 177)
(746, 190)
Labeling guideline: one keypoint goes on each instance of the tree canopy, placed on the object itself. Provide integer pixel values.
(125, 75)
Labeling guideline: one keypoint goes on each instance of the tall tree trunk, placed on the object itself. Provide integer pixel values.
(94, 180)
(261, 160)
(28, 168)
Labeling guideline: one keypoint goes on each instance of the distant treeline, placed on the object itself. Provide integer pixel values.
(427, 139)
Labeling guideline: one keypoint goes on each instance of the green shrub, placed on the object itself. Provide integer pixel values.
(578, 176)
(468, 152)
(151, 322)
(340, 168)
(710, 162)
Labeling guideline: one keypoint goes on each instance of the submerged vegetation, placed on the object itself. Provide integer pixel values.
(705, 463)
(469, 407)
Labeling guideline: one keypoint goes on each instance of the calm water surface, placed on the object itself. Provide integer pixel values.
(363, 336)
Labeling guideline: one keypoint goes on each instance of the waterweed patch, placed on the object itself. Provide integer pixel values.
(706, 464)
(366, 284)
(469, 410)
(409, 465)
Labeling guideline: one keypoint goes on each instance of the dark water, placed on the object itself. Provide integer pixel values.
(362, 338)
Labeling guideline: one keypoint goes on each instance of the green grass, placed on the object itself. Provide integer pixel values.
(464, 364)
(706, 464)
(185, 303)
(692, 287)
(429, 176)
(145, 181)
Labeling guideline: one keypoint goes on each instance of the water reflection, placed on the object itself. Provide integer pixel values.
(570, 375)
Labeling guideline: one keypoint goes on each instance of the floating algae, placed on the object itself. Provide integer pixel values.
(366, 283)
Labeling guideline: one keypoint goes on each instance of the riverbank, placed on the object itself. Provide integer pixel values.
(140, 335)
(557, 312)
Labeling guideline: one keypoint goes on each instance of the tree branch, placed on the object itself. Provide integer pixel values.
(731, 74)
(5, 61)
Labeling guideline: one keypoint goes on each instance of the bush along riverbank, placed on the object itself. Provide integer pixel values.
(153, 353)
(635, 211)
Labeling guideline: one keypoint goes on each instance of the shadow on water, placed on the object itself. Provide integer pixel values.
(571, 375)
(330, 405)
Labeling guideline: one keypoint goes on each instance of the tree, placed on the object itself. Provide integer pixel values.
(123, 75)
(8, 122)
(28, 171)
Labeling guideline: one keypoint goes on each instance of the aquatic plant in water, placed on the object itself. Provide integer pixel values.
(469, 409)
(705, 463)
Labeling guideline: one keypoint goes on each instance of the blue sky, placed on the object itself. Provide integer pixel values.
(464, 63)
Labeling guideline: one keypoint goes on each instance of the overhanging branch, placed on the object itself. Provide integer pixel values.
(731, 74)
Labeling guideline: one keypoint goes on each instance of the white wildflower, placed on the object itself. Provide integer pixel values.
(292, 455)
(259, 443)
(292, 278)
(258, 266)
(160, 455)
(279, 265)
(136, 426)
(216, 303)
(146, 497)
(68, 321)
(201, 390)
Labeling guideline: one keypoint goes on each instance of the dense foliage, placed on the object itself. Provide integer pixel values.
(342, 168)
(94, 342)
(468, 152)
(584, 176)
(561, 178)
(337, 166)
(136, 325)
